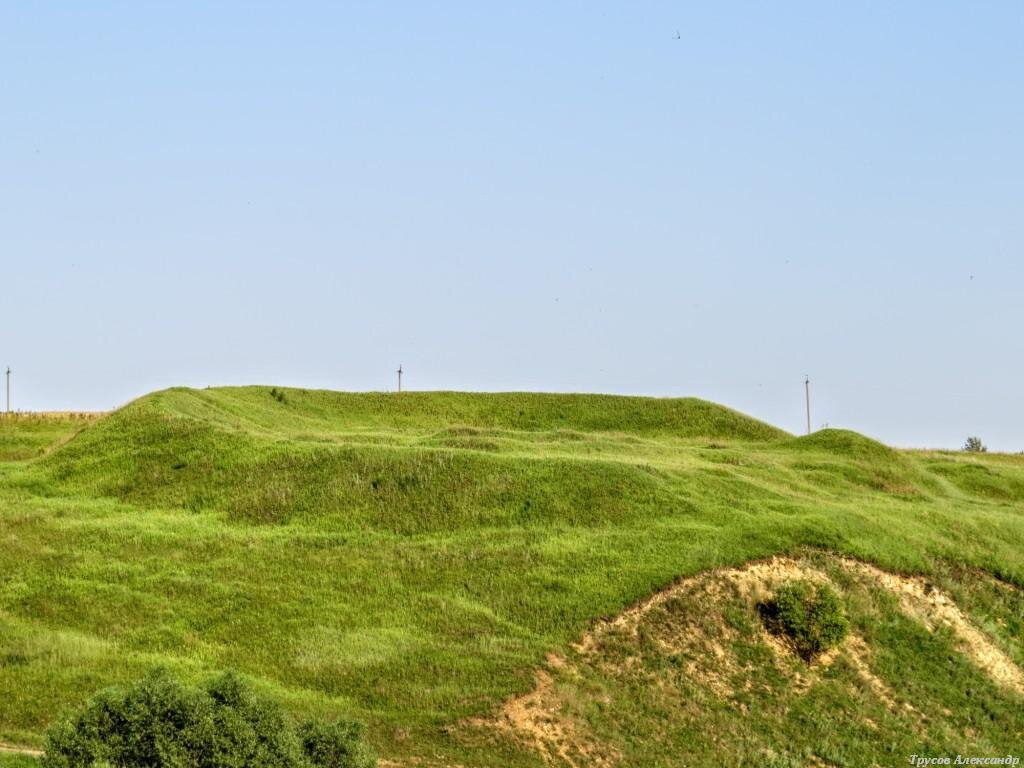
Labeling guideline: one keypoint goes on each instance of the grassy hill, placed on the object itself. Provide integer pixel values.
(441, 565)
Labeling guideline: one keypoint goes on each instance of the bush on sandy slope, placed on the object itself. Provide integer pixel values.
(809, 615)
(160, 723)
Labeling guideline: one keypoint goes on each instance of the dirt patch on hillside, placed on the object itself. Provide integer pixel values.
(699, 631)
(539, 720)
(754, 583)
(538, 717)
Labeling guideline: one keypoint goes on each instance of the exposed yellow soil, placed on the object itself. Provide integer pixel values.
(754, 582)
(539, 720)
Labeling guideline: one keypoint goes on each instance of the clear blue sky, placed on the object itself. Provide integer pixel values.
(538, 196)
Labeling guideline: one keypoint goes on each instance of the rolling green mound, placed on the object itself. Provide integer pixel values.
(270, 456)
(312, 413)
(842, 442)
(432, 563)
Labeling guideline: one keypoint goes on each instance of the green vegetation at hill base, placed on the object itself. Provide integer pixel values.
(410, 560)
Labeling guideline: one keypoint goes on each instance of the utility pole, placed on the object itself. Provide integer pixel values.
(807, 391)
(399, 377)
(8, 389)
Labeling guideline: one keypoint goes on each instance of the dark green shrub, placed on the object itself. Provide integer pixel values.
(250, 729)
(336, 745)
(278, 395)
(160, 723)
(808, 614)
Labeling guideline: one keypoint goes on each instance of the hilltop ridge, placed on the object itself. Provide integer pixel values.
(287, 410)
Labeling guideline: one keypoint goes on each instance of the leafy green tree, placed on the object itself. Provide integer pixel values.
(974, 445)
(160, 723)
(340, 743)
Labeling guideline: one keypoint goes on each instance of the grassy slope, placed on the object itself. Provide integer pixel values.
(409, 559)
(27, 436)
(701, 675)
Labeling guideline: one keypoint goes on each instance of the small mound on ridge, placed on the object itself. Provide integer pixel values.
(842, 442)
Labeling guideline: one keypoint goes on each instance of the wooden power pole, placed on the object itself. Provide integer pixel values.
(8, 389)
(399, 377)
(807, 392)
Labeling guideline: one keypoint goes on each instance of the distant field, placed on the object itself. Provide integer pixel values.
(419, 560)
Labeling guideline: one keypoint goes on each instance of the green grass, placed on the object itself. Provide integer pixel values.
(410, 559)
(8, 760)
(28, 436)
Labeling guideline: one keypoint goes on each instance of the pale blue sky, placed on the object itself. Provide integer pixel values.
(540, 196)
